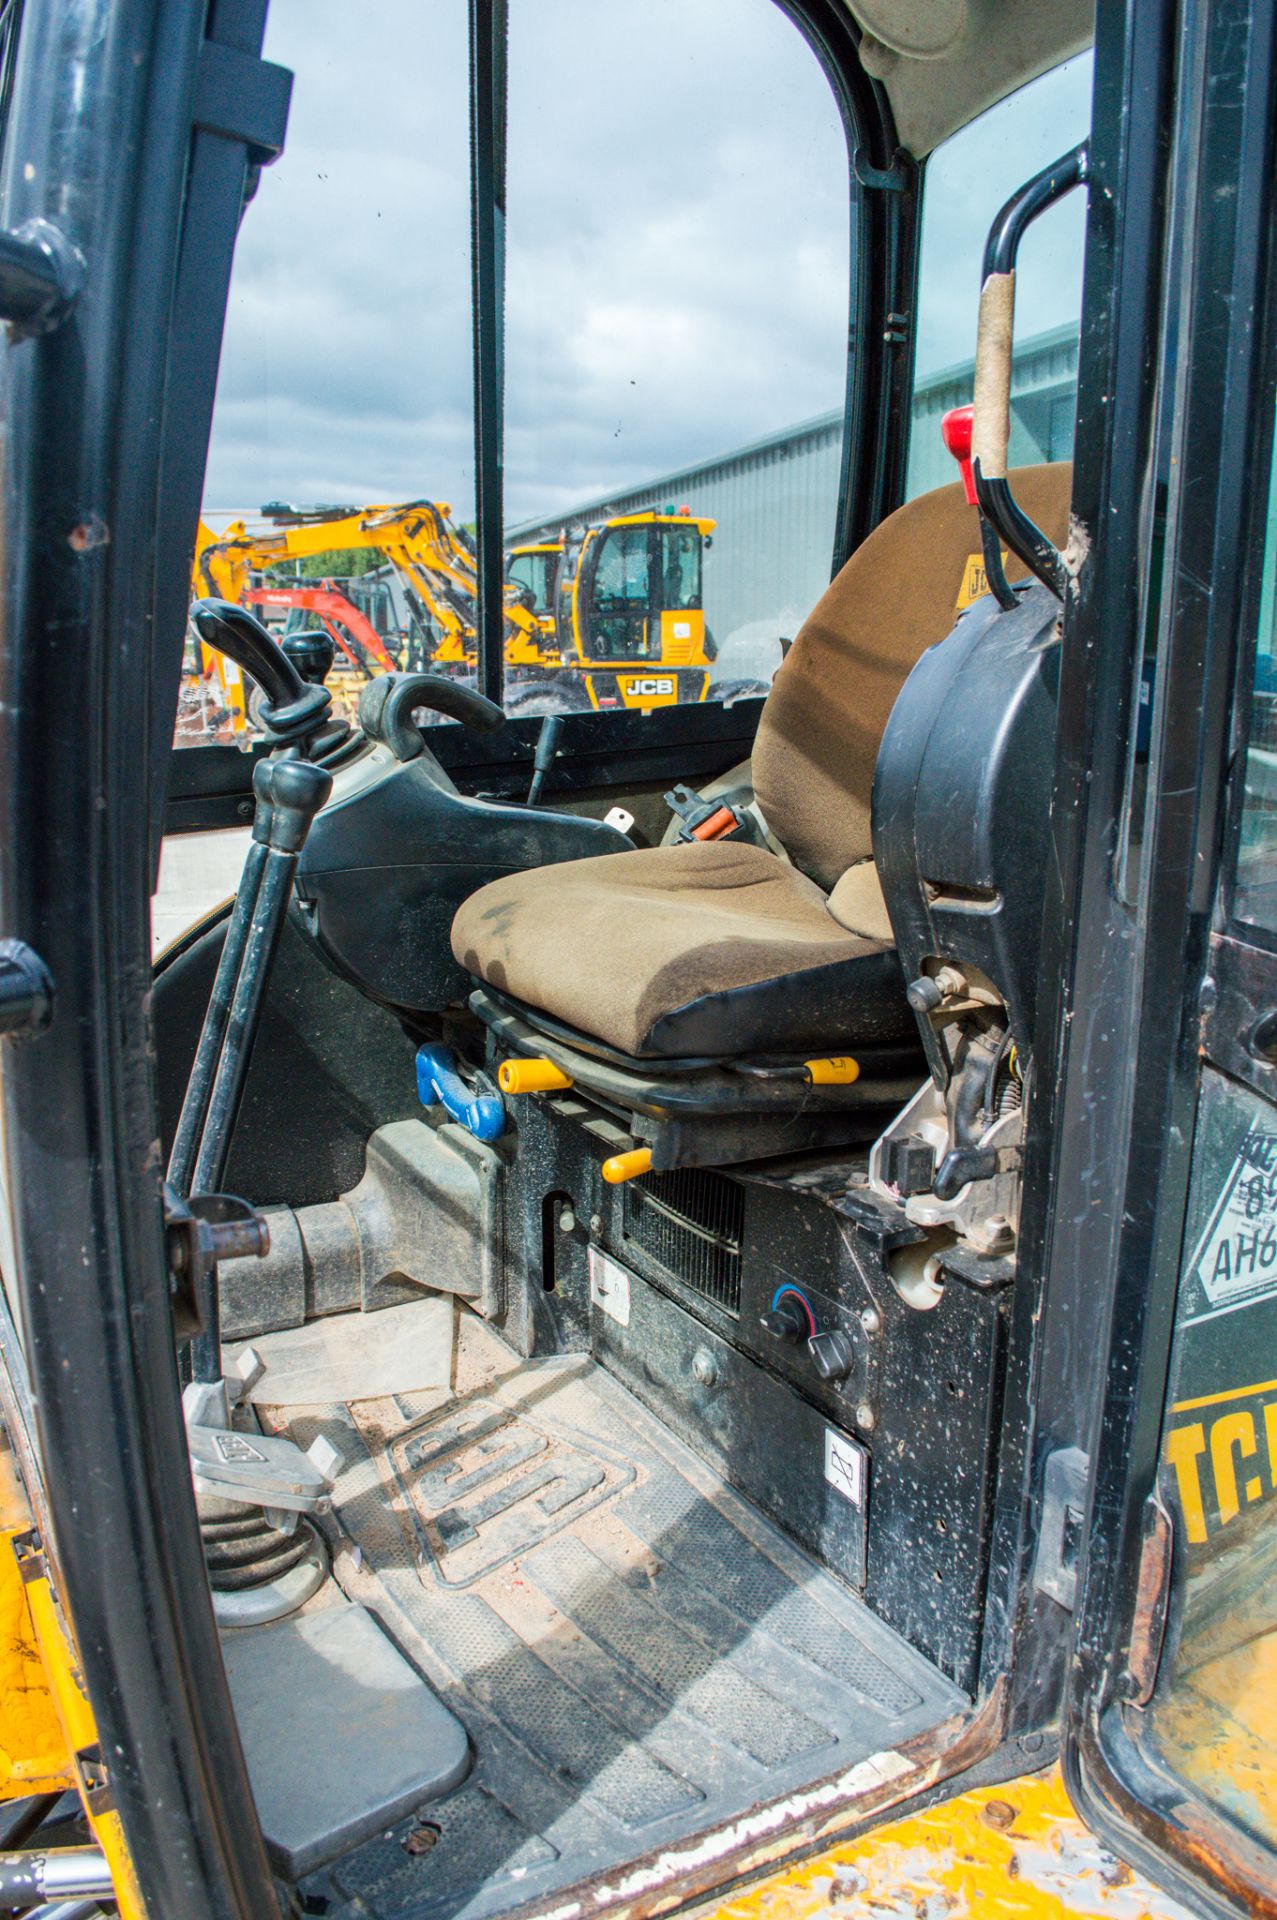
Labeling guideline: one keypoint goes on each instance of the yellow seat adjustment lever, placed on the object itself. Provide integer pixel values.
(531, 1076)
(838, 1071)
(627, 1166)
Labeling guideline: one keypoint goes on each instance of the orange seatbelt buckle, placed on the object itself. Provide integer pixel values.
(716, 826)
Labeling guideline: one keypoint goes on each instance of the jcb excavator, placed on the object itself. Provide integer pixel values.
(622, 601)
(627, 626)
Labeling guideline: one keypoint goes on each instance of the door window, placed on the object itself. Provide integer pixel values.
(676, 328)
(342, 440)
(967, 179)
(1255, 893)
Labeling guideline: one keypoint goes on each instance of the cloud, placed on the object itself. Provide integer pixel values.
(677, 250)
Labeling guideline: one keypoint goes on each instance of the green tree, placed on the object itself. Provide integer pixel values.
(339, 563)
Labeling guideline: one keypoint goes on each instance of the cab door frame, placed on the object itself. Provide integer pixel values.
(135, 126)
(1168, 446)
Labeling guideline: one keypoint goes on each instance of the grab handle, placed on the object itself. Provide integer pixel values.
(991, 424)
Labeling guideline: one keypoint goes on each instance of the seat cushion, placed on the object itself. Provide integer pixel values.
(825, 716)
(692, 950)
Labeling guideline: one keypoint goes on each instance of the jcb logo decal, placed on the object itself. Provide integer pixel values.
(1226, 1459)
(658, 684)
(975, 581)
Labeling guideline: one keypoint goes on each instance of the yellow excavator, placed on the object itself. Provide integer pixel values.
(623, 604)
(612, 612)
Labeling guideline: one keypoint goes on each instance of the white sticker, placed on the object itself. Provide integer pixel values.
(682, 629)
(1236, 1257)
(845, 1466)
(609, 1287)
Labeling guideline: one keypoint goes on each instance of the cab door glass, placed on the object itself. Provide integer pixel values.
(1212, 1715)
(339, 491)
(1255, 891)
(967, 179)
(1213, 1712)
(676, 329)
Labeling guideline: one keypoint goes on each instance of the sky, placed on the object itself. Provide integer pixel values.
(677, 250)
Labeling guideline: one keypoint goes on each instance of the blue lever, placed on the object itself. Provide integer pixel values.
(482, 1114)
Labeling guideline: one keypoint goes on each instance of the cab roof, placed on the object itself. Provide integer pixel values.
(942, 62)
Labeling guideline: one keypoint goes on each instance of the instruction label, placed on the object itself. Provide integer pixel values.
(609, 1287)
(845, 1466)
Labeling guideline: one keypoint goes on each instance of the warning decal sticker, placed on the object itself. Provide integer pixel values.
(1236, 1257)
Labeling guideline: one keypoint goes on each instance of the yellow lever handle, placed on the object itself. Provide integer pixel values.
(627, 1166)
(531, 1076)
(839, 1071)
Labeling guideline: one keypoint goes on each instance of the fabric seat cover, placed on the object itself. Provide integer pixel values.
(713, 949)
(663, 953)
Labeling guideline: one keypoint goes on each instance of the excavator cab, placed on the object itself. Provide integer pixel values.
(621, 594)
(673, 1308)
(635, 603)
(533, 568)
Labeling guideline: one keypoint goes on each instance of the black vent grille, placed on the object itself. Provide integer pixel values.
(689, 1223)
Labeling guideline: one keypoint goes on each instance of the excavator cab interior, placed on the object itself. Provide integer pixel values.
(655, 1291)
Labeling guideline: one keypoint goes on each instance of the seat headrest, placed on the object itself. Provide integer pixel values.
(900, 593)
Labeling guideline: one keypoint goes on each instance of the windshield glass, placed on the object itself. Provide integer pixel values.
(535, 571)
(680, 567)
(622, 572)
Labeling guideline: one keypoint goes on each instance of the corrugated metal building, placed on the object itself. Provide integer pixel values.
(774, 500)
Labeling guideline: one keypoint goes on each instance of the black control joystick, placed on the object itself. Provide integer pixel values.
(312, 652)
(288, 792)
(294, 709)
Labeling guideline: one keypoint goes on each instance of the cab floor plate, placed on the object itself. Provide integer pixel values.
(636, 1653)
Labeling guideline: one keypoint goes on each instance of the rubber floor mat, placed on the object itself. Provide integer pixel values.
(636, 1654)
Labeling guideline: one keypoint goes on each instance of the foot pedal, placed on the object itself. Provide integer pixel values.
(342, 1737)
(262, 1471)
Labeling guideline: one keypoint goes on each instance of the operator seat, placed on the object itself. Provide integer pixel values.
(714, 950)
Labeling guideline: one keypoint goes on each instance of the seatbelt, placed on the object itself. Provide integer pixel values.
(701, 819)
(704, 819)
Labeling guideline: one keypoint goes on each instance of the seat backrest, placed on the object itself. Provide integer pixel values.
(823, 722)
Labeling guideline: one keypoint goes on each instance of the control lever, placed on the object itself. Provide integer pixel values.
(956, 428)
(546, 754)
(387, 704)
(288, 793)
(294, 708)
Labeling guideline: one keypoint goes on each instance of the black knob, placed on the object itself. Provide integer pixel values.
(785, 1321)
(311, 652)
(832, 1354)
(298, 789)
(923, 995)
